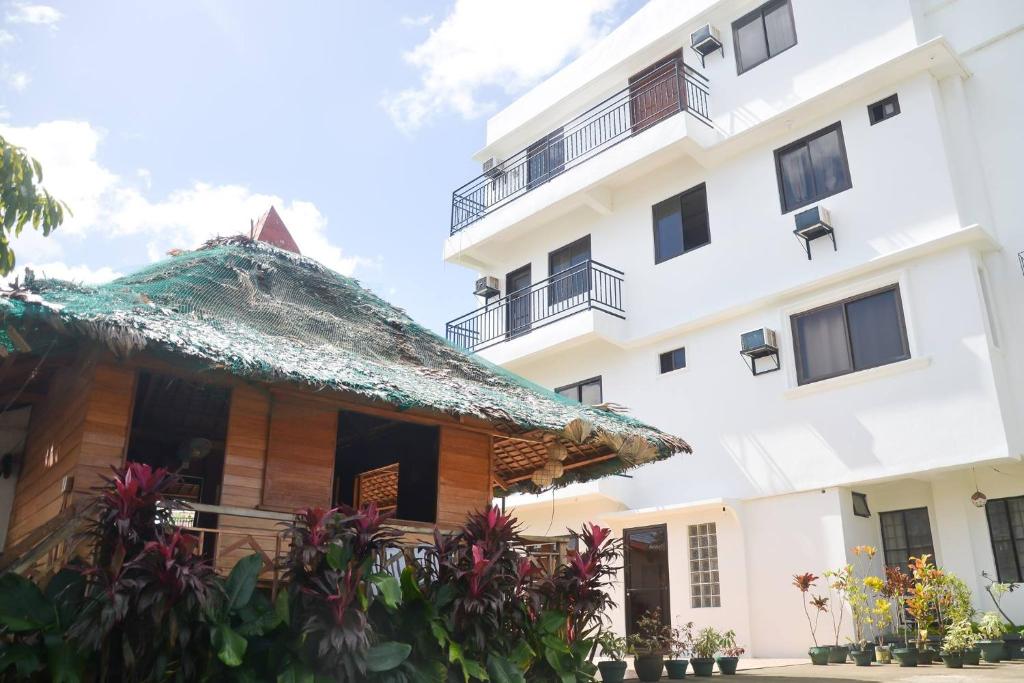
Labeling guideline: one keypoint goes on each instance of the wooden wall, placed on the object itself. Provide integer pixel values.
(245, 460)
(279, 454)
(464, 474)
(52, 448)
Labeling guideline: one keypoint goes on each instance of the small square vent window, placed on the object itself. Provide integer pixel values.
(673, 360)
(860, 505)
(884, 109)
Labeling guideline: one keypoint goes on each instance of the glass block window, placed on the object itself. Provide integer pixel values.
(704, 585)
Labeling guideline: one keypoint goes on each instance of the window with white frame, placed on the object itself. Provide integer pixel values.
(704, 586)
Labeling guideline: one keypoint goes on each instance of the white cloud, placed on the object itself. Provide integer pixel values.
(80, 273)
(18, 80)
(486, 44)
(27, 13)
(6, 37)
(416, 21)
(107, 206)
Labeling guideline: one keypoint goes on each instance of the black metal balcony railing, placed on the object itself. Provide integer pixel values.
(669, 89)
(589, 285)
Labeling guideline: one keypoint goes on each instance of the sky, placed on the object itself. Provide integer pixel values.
(162, 124)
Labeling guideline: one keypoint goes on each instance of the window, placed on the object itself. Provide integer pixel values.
(570, 275)
(1006, 528)
(906, 534)
(762, 34)
(587, 392)
(545, 159)
(681, 223)
(883, 109)
(855, 334)
(705, 590)
(812, 168)
(673, 360)
(860, 505)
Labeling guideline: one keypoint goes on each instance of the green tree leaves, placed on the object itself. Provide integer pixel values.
(23, 201)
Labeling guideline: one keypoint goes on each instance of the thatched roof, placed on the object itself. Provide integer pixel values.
(269, 315)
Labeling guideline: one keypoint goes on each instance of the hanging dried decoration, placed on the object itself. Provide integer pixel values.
(578, 431)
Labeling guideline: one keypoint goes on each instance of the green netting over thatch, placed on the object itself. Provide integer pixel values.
(267, 314)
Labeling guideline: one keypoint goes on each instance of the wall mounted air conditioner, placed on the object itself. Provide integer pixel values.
(492, 168)
(487, 287)
(757, 340)
(705, 41)
(813, 223)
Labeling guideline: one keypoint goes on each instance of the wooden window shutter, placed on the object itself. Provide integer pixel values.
(464, 474)
(300, 453)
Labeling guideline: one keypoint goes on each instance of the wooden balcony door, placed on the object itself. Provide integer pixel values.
(654, 93)
(519, 310)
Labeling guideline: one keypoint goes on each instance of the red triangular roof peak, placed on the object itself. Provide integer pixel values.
(271, 229)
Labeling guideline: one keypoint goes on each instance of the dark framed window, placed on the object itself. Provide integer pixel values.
(1006, 529)
(906, 534)
(854, 334)
(673, 360)
(569, 271)
(884, 109)
(860, 505)
(587, 392)
(763, 33)
(545, 159)
(681, 223)
(812, 168)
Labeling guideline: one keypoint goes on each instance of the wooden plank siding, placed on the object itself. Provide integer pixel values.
(52, 448)
(464, 474)
(245, 461)
(108, 424)
(300, 453)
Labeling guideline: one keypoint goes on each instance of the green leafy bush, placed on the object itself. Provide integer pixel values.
(147, 607)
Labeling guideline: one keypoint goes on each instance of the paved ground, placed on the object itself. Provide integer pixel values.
(934, 673)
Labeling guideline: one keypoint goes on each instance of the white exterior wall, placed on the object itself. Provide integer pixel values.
(935, 207)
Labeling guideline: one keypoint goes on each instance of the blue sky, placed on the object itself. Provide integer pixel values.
(164, 123)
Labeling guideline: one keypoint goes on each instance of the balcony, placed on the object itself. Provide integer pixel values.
(584, 287)
(655, 96)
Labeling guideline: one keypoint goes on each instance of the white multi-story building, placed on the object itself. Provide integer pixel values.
(844, 175)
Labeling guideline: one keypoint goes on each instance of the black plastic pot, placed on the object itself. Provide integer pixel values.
(925, 655)
(676, 668)
(727, 665)
(838, 654)
(612, 672)
(861, 657)
(973, 656)
(992, 650)
(1014, 645)
(906, 656)
(953, 660)
(648, 667)
(819, 655)
(702, 666)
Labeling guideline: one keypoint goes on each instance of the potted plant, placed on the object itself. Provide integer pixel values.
(921, 605)
(679, 649)
(958, 640)
(881, 618)
(1013, 635)
(705, 647)
(897, 585)
(613, 670)
(858, 594)
(804, 583)
(649, 645)
(991, 628)
(731, 653)
(838, 584)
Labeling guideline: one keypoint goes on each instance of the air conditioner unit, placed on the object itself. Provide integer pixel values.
(757, 340)
(492, 168)
(705, 40)
(487, 287)
(813, 223)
